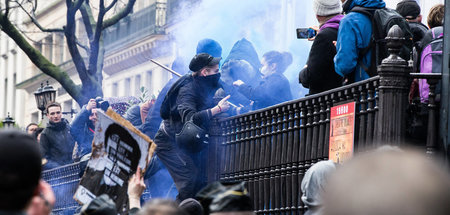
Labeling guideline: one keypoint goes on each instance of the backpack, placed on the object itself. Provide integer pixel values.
(431, 61)
(382, 21)
(168, 107)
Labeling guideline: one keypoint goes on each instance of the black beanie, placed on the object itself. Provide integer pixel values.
(409, 9)
(191, 207)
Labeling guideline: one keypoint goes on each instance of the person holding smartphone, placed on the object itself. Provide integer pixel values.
(319, 75)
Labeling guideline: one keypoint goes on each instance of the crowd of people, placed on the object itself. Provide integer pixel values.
(178, 120)
(397, 182)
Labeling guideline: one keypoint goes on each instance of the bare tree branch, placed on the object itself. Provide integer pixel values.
(88, 19)
(6, 8)
(111, 5)
(94, 43)
(123, 13)
(35, 22)
(39, 60)
(71, 38)
(85, 47)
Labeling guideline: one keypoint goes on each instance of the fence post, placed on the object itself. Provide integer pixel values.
(393, 91)
(214, 152)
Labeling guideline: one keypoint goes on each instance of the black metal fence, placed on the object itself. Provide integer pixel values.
(272, 148)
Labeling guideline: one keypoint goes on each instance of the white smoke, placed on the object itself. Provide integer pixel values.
(268, 24)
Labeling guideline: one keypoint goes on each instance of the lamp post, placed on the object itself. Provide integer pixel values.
(44, 95)
(8, 122)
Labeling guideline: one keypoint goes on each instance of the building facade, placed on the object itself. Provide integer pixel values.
(129, 45)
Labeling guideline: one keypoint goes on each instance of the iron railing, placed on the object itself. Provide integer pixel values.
(272, 148)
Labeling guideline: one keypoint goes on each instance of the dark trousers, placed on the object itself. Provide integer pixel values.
(184, 167)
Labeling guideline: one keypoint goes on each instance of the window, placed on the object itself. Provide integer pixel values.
(59, 48)
(137, 85)
(67, 107)
(149, 82)
(115, 89)
(127, 87)
(35, 117)
(48, 48)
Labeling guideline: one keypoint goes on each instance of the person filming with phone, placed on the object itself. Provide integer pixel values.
(319, 75)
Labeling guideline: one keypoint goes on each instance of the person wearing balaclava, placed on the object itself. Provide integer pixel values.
(151, 125)
(153, 119)
(189, 107)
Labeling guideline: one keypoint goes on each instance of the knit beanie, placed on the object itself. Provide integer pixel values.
(327, 7)
(209, 46)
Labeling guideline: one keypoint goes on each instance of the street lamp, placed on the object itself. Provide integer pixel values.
(49, 94)
(44, 95)
(8, 122)
(40, 99)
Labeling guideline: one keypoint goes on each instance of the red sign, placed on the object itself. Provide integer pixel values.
(342, 129)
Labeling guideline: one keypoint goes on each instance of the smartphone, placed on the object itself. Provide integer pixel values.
(305, 33)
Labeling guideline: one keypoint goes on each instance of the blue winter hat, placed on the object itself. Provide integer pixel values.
(209, 46)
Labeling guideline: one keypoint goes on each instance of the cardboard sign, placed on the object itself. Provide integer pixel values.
(118, 150)
(342, 129)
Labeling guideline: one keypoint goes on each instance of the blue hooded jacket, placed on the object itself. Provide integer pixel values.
(354, 35)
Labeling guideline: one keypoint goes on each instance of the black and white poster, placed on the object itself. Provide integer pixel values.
(118, 150)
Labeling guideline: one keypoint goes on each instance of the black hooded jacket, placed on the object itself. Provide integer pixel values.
(57, 144)
(193, 101)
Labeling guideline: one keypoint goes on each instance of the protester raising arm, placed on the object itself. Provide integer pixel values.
(83, 127)
(136, 187)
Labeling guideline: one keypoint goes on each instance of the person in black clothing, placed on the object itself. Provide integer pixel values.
(189, 99)
(410, 10)
(56, 142)
(274, 87)
(21, 189)
(242, 63)
(318, 74)
(153, 119)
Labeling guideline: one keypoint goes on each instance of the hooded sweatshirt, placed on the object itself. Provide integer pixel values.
(354, 35)
(314, 185)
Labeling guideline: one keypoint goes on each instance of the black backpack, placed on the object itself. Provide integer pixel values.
(168, 107)
(382, 21)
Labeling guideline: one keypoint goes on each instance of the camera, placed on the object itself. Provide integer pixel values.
(104, 105)
(306, 33)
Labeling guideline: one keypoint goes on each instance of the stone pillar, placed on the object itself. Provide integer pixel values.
(160, 18)
(3, 59)
(10, 88)
(393, 91)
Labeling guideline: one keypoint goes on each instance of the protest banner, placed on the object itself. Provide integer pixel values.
(118, 149)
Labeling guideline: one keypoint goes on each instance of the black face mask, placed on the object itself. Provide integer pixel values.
(209, 82)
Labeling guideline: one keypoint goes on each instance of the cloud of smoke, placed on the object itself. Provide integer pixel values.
(269, 25)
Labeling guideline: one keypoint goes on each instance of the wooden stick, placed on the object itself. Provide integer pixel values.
(165, 67)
